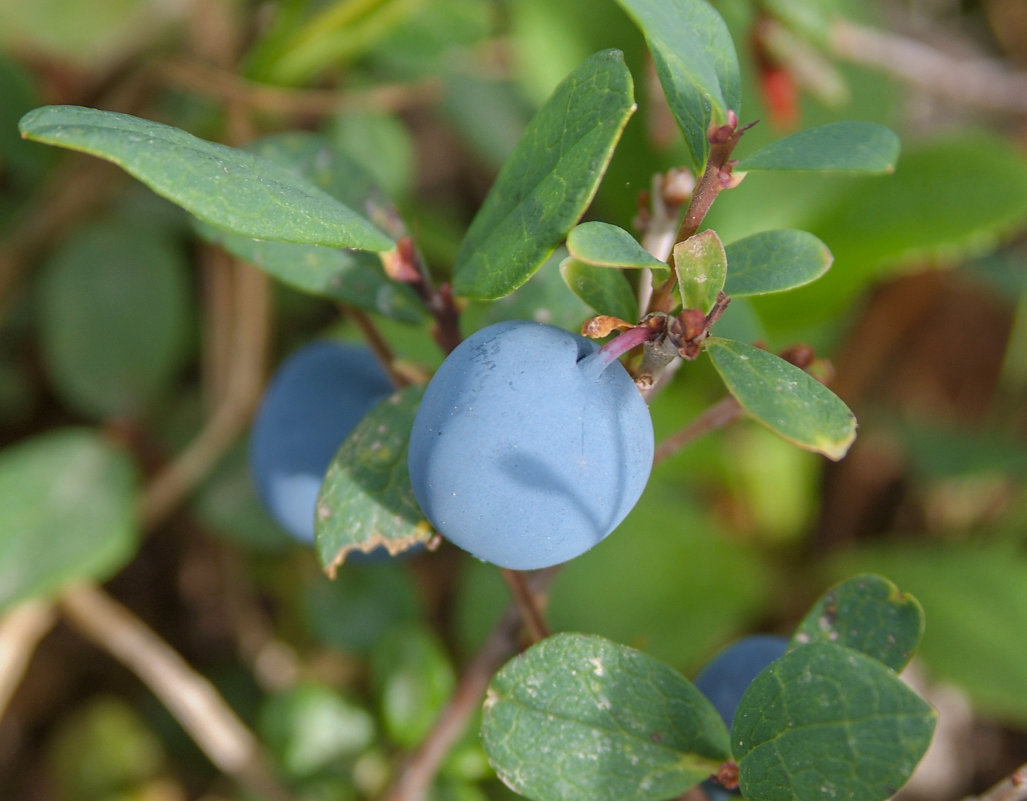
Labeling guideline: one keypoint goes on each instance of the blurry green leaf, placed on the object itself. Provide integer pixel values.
(810, 19)
(577, 717)
(774, 261)
(866, 613)
(674, 565)
(548, 181)
(784, 398)
(114, 314)
(67, 512)
(222, 186)
(605, 245)
(851, 146)
(355, 611)
(103, 750)
(824, 721)
(701, 269)
(954, 195)
(974, 601)
(310, 726)
(413, 679)
(366, 500)
(21, 163)
(339, 32)
(490, 115)
(607, 291)
(350, 276)
(696, 63)
(381, 144)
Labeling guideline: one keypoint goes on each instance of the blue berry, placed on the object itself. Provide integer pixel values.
(728, 675)
(525, 451)
(315, 399)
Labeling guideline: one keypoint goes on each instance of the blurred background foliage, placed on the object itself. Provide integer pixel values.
(131, 355)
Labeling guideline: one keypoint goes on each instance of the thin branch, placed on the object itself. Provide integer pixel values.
(528, 604)
(171, 486)
(724, 411)
(229, 87)
(417, 775)
(21, 629)
(978, 82)
(192, 699)
(376, 342)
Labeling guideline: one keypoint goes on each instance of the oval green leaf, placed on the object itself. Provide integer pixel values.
(606, 291)
(824, 721)
(549, 180)
(784, 398)
(579, 718)
(114, 316)
(223, 186)
(774, 261)
(868, 614)
(67, 513)
(349, 276)
(850, 146)
(604, 245)
(696, 63)
(701, 265)
(366, 501)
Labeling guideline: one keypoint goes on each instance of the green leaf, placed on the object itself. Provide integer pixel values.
(67, 513)
(868, 614)
(701, 265)
(366, 500)
(350, 276)
(309, 726)
(852, 146)
(413, 679)
(114, 317)
(973, 597)
(773, 261)
(549, 180)
(579, 718)
(696, 63)
(605, 245)
(606, 291)
(824, 721)
(784, 398)
(220, 185)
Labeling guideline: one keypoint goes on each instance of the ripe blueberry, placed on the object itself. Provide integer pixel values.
(529, 446)
(314, 400)
(728, 675)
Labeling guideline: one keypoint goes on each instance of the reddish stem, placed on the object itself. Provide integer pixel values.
(594, 364)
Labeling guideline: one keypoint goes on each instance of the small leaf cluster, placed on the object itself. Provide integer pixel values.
(579, 717)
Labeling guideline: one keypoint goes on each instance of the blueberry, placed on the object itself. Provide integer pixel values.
(525, 451)
(314, 400)
(728, 675)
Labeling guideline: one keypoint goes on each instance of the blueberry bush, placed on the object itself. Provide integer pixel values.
(544, 298)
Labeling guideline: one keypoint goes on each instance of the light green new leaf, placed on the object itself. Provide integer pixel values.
(851, 146)
(606, 291)
(605, 245)
(824, 721)
(220, 185)
(784, 398)
(696, 63)
(774, 261)
(701, 265)
(579, 718)
(868, 614)
(366, 501)
(548, 181)
(67, 513)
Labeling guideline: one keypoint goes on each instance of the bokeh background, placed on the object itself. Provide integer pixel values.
(117, 321)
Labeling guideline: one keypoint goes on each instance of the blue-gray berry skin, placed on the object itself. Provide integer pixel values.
(314, 400)
(728, 675)
(518, 456)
